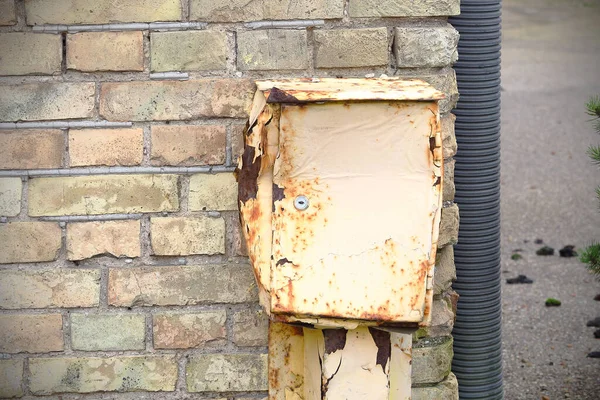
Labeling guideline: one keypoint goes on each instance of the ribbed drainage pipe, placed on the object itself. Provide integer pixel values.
(477, 333)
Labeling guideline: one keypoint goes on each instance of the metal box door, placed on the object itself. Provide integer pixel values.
(356, 202)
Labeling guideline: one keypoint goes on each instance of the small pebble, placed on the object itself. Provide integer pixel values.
(538, 241)
(545, 251)
(594, 354)
(519, 279)
(597, 333)
(597, 297)
(594, 322)
(568, 251)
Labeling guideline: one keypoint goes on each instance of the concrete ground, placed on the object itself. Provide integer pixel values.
(551, 67)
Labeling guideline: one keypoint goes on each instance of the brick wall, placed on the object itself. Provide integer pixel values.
(121, 264)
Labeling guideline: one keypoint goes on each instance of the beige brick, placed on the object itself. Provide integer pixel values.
(347, 48)
(10, 196)
(432, 359)
(272, 49)
(403, 8)
(242, 10)
(444, 81)
(250, 328)
(449, 226)
(108, 332)
(95, 374)
(181, 285)
(175, 100)
(448, 136)
(106, 147)
(31, 333)
(237, 142)
(49, 288)
(30, 53)
(103, 194)
(22, 242)
(449, 188)
(31, 148)
(48, 100)
(11, 378)
(100, 12)
(445, 270)
(235, 241)
(7, 14)
(105, 51)
(227, 373)
(88, 239)
(175, 236)
(416, 47)
(188, 145)
(184, 331)
(446, 389)
(213, 192)
(442, 318)
(189, 51)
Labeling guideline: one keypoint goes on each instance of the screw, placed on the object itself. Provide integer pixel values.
(301, 203)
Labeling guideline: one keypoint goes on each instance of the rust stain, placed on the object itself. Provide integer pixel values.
(335, 339)
(283, 261)
(279, 96)
(247, 175)
(384, 346)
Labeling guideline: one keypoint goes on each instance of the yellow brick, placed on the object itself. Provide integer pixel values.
(30, 53)
(181, 285)
(105, 51)
(88, 239)
(175, 236)
(108, 332)
(213, 192)
(100, 12)
(10, 196)
(395, 8)
(22, 242)
(347, 48)
(102, 194)
(106, 147)
(49, 288)
(95, 374)
(227, 373)
(31, 148)
(11, 378)
(31, 333)
(189, 51)
(7, 12)
(243, 10)
(188, 145)
(47, 100)
(175, 100)
(183, 331)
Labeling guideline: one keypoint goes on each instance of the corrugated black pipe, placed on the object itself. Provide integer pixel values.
(477, 333)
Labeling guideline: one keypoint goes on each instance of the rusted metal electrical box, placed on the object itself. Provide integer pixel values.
(340, 190)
